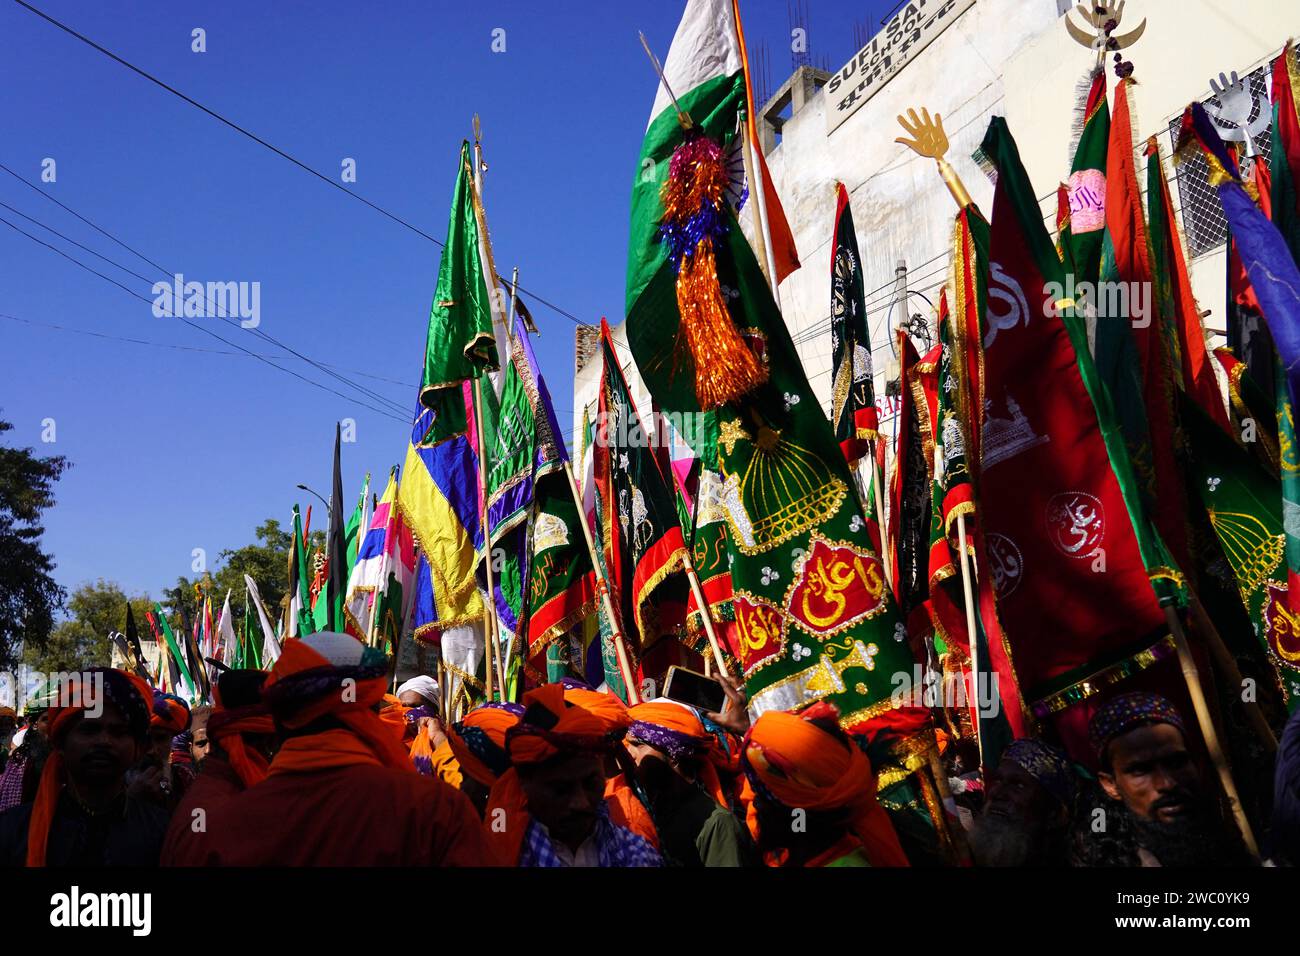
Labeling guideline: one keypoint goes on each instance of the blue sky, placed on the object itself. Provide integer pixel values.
(173, 449)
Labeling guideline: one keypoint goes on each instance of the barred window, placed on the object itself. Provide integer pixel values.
(1203, 220)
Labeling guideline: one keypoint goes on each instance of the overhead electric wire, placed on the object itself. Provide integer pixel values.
(364, 390)
(145, 74)
(200, 328)
(169, 345)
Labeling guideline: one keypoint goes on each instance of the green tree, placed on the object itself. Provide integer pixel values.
(29, 596)
(96, 610)
(266, 561)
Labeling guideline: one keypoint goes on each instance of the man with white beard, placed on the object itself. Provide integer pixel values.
(1027, 810)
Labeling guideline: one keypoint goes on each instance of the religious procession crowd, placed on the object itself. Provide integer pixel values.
(1051, 620)
(314, 764)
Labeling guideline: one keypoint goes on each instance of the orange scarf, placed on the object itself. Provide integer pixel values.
(323, 751)
(802, 765)
(227, 728)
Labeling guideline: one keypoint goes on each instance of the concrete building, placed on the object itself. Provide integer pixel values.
(975, 59)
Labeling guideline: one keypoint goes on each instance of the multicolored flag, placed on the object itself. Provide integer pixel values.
(853, 399)
(519, 438)
(1275, 279)
(1285, 141)
(438, 495)
(814, 615)
(638, 530)
(382, 583)
(358, 524)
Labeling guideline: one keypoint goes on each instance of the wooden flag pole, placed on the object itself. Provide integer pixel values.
(1224, 659)
(620, 645)
(706, 615)
(1206, 723)
(489, 603)
(972, 634)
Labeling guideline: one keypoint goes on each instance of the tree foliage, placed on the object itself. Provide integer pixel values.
(96, 610)
(29, 595)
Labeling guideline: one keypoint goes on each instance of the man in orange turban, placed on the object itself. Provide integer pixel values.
(242, 736)
(341, 790)
(672, 750)
(478, 744)
(82, 815)
(627, 807)
(160, 776)
(814, 793)
(549, 808)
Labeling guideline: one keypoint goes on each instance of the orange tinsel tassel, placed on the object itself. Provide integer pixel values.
(694, 200)
(725, 368)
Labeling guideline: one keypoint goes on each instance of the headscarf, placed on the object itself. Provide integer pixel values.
(1121, 714)
(170, 713)
(335, 675)
(128, 692)
(575, 731)
(228, 724)
(425, 686)
(793, 762)
(611, 711)
(1046, 764)
(678, 731)
(479, 740)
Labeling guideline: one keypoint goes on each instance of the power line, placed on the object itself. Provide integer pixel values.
(145, 74)
(200, 328)
(169, 345)
(364, 390)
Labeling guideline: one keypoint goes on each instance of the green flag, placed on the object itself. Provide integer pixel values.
(1244, 505)
(1081, 234)
(172, 647)
(299, 619)
(460, 343)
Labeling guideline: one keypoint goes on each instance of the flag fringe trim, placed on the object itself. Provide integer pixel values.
(1103, 679)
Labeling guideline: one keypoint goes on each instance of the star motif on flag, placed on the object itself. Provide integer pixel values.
(730, 433)
(1213, 483)
(623, 461)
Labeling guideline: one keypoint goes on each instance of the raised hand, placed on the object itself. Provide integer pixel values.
(928, 137)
